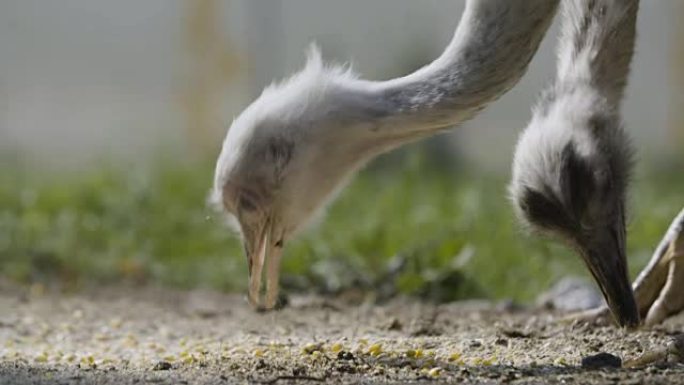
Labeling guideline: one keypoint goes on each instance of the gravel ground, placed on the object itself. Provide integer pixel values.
(147, 335)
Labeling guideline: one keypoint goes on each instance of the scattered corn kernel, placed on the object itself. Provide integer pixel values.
(560, 361)
(115, 323)
(88, 360)
(42, 357)
(479, 361)
(311, 347)
(258, 353)
(455, 356)
(275, 345)
(434, 372)
(336, 347)
(375, 350)
(131, 341)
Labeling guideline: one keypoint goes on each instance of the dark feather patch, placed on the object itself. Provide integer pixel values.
(576, 181)
(280, 151)
(543, 211)
(248, 201)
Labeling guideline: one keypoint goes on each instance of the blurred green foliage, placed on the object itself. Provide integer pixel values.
(153, 226)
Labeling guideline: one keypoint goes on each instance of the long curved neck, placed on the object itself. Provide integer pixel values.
(489, 53)
(597, 45)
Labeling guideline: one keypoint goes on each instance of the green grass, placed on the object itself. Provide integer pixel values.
(152, 226)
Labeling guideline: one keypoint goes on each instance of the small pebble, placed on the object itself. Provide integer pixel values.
(162, 365)
(395, 324)
(435, 372)
(310, 348)
(455, 356)
(601, 360)
(676, 346)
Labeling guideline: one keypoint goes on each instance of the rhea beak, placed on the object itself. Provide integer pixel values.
(604, 255)
(260, 251)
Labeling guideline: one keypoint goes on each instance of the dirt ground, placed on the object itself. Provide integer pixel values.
(155, 336)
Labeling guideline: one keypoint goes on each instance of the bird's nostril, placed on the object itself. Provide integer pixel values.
(279, 243)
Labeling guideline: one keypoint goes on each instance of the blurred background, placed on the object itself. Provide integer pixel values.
(112, 114)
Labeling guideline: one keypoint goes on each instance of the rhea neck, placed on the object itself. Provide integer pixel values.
(597, 45)
(489, 53)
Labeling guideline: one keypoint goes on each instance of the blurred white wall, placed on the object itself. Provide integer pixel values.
(84, 80)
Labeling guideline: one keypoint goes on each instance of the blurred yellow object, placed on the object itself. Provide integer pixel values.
(336, 347)
(375, 350)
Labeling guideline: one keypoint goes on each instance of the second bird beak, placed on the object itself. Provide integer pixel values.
(605, 258)
(261, 251)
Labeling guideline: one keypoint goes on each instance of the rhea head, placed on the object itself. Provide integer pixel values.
(570, 174)
(285, 156)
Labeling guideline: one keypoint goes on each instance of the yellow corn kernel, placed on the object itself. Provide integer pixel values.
(311, 347)
(116, 323)
(88, 360)
(375, 350)
(42, 357)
